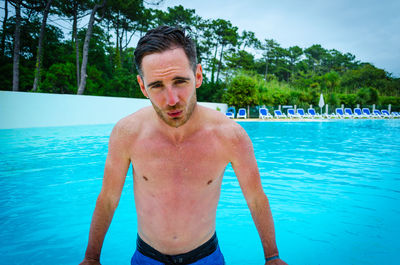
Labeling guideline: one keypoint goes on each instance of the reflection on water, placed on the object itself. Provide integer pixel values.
(334, 189)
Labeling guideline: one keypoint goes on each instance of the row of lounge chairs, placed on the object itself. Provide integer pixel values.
(365, 113)
(311, 113)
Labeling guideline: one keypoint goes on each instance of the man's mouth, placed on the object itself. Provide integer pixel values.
(174, 113)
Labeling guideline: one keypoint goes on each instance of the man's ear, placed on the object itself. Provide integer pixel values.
(141, 84)
(199, 76)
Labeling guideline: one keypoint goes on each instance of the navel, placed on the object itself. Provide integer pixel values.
(145, 178)
(209, 182)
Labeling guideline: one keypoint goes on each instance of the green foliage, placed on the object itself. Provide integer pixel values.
(349, 100)
(333, 100)
(394, 101)
(241, 91)
(294, 75)
(366, 76)
(60, 78)
(367, 95)
(209, 92)
(95, 83)
(240, 60)
(123, 84)
(6, 69)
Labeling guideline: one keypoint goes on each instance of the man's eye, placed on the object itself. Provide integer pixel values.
(180, 82)
(156, 86)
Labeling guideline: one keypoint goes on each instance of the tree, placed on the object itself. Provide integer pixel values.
(240, 60)
(17, 40)
(85, 52)
(74, 9)
(40, 45)
(225, 35)
(366, 76)
(267, 47)
(249, 39)
(294, 54)
(177, 16)
(125, 16)
(3, 35)
(315, 54)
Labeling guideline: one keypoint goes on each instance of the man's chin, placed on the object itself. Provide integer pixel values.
(175, 121)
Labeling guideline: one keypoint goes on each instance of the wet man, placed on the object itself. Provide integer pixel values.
(178, 151)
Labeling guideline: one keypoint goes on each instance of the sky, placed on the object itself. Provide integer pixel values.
(369, 29)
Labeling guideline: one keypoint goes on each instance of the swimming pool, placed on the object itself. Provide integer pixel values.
(334, 189)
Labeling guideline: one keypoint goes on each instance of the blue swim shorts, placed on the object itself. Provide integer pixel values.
(207, 254)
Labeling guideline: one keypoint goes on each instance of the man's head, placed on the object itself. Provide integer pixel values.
(165, 38)
(168, 73)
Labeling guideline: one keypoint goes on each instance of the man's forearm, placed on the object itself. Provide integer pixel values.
(101, 220)
(263, 220)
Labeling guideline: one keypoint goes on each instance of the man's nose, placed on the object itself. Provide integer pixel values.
(172, 96)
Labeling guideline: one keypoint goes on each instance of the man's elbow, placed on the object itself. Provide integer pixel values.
(107, 201)
(257, 199)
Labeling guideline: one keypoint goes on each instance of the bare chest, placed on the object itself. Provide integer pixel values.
(199, 160)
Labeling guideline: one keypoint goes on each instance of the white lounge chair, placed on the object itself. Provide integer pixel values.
(376, 114)
(366, 112)
(241, 113)
(301, 113)
(292, 114)
(395, 114)
(386, 114)
(358, 113)
(229, 115)
(263, 113)
(339, 113)
(313, 114)
(348, 113)
(279, 114)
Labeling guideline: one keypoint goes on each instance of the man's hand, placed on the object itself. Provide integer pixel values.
(275, 262)
(88, 261)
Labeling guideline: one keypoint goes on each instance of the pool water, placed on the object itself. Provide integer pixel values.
(334, 190)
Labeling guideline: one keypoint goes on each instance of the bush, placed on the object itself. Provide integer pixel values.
(394, 101)
(209, 92)
(123, 84)
(60, 78)
(349, 100)
(241, 91)
(367, 96)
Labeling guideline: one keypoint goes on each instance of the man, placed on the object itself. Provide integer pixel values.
(179, 151)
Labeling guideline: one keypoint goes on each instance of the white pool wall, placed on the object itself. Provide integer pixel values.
(26, 110)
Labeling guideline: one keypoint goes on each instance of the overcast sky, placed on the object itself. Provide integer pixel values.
(369, 29)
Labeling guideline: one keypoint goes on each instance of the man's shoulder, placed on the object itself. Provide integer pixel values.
(221, 125)
(133, 123)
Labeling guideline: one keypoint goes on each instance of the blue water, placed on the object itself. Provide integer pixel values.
(334, 190)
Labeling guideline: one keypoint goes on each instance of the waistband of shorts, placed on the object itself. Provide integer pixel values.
(186, 258)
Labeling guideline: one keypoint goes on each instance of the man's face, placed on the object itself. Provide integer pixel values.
(168, 80)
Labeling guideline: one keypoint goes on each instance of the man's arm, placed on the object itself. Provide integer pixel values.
(245, 166)
(117, 164)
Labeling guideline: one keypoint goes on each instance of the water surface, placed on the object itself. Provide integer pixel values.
(334, 189)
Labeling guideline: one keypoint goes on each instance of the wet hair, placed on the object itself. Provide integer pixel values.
(165, 38)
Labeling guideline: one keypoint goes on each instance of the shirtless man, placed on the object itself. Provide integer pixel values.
(179, 151)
